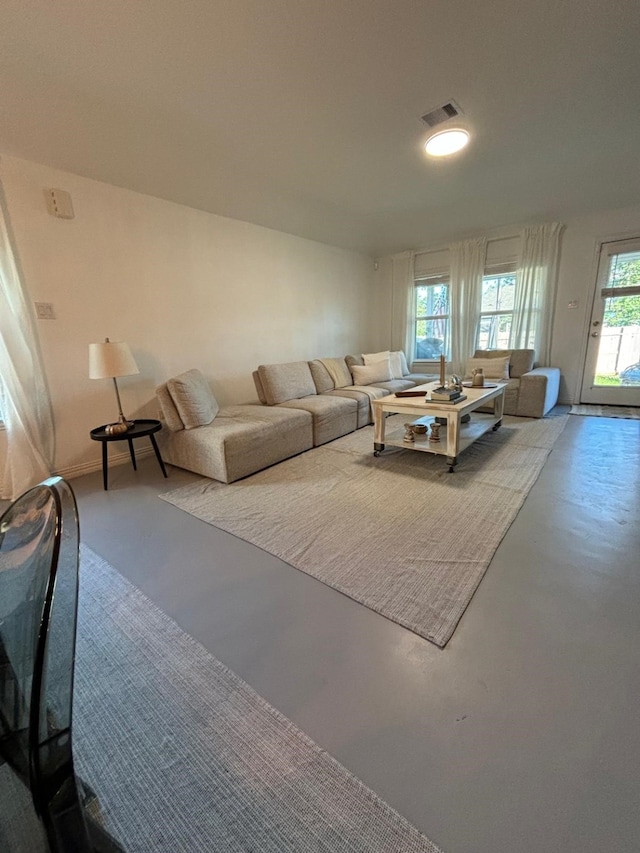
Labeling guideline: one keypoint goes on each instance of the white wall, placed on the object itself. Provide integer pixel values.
(184, 288)
(576, 281)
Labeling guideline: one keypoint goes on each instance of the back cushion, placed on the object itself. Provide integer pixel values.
(520, 360)
(395, 361)
(492, 368)
(168, 409)
(193, 399)
(321, 378)
(369, 374)
(403, 364)
(350, 360)
(282, 382)
(259, 388)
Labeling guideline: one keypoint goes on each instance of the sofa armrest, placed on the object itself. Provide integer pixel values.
(539, 389)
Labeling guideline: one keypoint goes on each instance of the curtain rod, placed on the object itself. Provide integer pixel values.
(446, 246)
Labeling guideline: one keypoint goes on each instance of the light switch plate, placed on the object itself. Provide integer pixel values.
(59, 203)
(44, 311)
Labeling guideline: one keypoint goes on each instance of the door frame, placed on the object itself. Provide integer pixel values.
(608, 396)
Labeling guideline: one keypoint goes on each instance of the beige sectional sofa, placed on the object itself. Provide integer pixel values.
(333, 390)
(304, 404)
(308, 403)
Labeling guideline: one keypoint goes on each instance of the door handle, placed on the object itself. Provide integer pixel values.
(595, 335)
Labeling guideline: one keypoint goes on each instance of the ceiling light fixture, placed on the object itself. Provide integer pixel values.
(446, 142)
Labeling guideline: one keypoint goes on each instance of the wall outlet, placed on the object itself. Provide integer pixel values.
(572, 304)
(44, 311)
(59, 203)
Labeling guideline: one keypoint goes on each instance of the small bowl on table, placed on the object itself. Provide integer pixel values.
(419, 429)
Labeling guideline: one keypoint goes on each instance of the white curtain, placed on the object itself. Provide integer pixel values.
(26, 406)
(536, 281)
(403, 310)
(468, 259)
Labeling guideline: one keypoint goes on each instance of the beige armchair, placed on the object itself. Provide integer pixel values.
(531, 391)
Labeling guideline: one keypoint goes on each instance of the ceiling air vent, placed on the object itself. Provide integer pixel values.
(440, 114)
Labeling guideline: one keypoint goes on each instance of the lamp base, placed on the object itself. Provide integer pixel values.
(119, 427)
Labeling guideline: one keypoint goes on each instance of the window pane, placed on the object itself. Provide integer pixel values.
(494, 330)
(431, 344)
(498, 293)
(625, 270)
(504, 330)
(506, 293)
(432, 320)
(432, 300)
(489, 294)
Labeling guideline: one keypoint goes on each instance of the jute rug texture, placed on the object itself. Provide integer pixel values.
(632, 412)
(397, 533)
(185, 756)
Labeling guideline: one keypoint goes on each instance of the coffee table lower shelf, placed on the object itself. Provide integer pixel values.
(468, 433)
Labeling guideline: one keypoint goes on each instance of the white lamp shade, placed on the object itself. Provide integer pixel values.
(110, 359)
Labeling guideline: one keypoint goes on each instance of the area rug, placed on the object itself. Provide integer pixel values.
(397, 533)
(185, 756)
(632, 412)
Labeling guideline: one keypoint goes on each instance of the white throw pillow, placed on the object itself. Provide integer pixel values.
(492, 368)
(395, 359)
(369, 374)
(370, 357)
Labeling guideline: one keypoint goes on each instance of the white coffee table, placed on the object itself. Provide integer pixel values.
(455, 436)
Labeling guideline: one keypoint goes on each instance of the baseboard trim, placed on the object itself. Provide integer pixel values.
(71, 471)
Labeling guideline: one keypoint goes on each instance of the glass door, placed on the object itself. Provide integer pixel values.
(612, 363)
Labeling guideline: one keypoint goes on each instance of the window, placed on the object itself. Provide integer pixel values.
(496, 308)
(432, 333)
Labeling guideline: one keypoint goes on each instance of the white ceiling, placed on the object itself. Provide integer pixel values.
(304, 115)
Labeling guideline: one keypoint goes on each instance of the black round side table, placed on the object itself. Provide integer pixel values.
(140, 428)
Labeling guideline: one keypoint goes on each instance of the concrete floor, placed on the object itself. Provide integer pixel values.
(522, 735)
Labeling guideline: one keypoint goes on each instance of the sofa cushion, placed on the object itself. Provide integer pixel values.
(168, 409)
(338, 371)
(422, 378)
(193, 399)
(520, 360)
(289, 381)
(369, 374)
(330, 373)
(493, 368)
(394, 360)
(333, 416)
(362, 399)
(350, 360)
(241, 440)
(394, 385)
(321, 378)
(259, 388)
(403, 364)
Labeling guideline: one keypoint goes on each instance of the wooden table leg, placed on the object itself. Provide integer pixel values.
(453, 440)
(378, 436)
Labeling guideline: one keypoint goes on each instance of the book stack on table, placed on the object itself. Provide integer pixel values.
(447, 395)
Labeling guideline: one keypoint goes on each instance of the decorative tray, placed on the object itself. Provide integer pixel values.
(486, 385)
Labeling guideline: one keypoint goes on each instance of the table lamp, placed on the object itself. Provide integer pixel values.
(107, 361)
